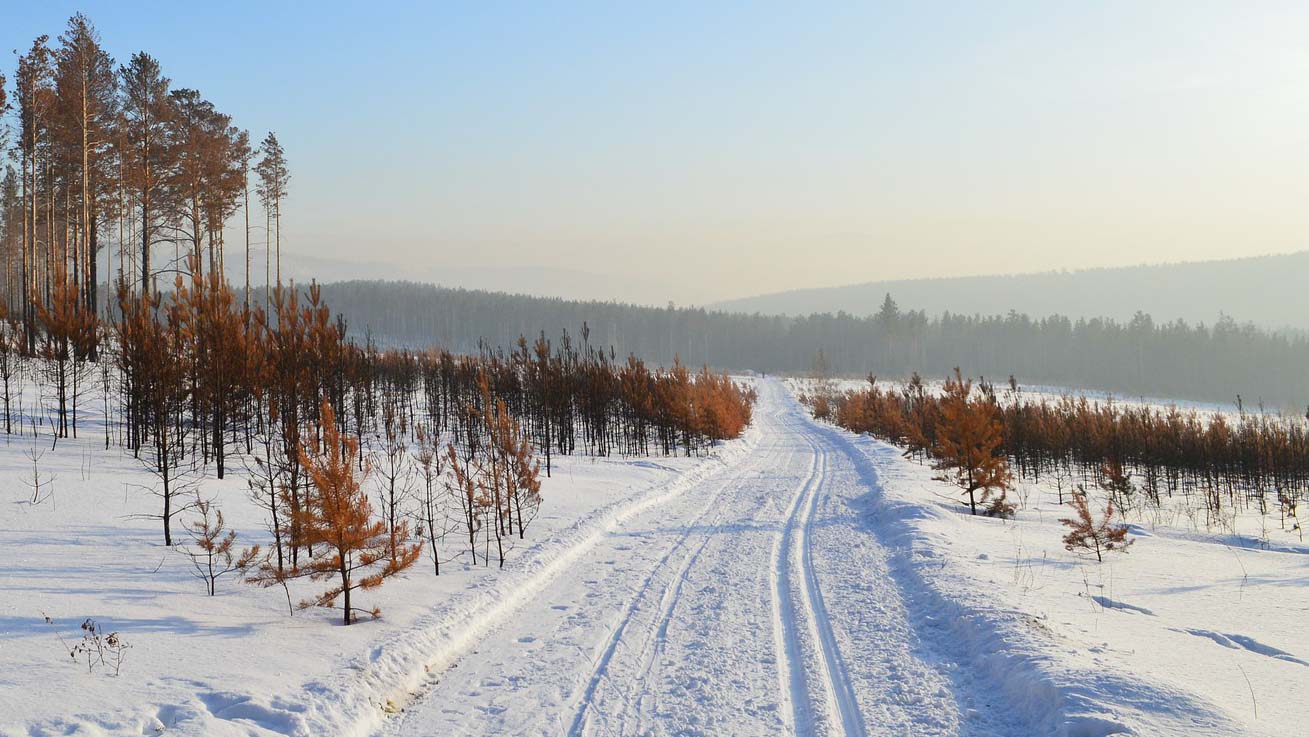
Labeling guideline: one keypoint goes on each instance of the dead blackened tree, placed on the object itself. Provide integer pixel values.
(11, 366)
(218, 346)
(152, 359)
(133, 339)
(463, 489)
(337, 522)
(542, 381)
(167, 398)
(389, 461)
(107, 389)
(637, 390)
(263, 479)
(304, 360)
(670, 399)
(428, 469)
(289, 383)
(69, 332)
(1118, 482)
(491, 469)
(499, 486)
(264, 468)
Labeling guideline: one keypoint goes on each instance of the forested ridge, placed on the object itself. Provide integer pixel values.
(1139, 357)
(1265, 290)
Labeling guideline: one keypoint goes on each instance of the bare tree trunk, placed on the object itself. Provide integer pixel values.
(86, 194)
(277, 215)
(28, 233)
(145, 241)
(268, 268)
(246, 212)
(345, 587)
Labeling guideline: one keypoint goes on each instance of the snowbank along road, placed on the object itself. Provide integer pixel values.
(757, 602)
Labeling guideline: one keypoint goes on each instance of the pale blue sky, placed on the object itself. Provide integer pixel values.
(769, 145)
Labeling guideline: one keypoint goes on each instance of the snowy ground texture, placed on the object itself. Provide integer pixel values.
(801, 581)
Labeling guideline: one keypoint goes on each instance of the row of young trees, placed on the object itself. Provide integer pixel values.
(1139, 454)
(189, 379)
(116, 154)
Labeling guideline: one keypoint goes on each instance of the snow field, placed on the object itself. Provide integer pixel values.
(237, 664)
(801, 581)
(1189, 633)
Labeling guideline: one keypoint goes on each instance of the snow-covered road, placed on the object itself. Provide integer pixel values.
(757, 601)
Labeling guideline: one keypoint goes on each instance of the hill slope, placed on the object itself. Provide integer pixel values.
(1266, 290)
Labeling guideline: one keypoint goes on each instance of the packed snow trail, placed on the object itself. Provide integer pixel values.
(754, 603)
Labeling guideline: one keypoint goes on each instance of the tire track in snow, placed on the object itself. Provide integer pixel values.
(668, 597)
(839, 712)
(657, 636)
(845, 709)
(786, 643)
(461, 629)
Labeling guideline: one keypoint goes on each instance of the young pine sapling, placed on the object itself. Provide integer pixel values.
(336, 522)
(211, 552)
(1089, 535)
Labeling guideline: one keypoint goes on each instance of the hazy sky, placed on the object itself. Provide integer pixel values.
(712, 150)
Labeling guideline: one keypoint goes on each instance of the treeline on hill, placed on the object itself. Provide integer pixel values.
(1139, 454)
(189, 379)
(1140, 357)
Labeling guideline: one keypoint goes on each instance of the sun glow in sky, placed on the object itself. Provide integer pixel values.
(711, 150)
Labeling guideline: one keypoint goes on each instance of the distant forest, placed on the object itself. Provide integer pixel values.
(1138, 357)
(1265, 290)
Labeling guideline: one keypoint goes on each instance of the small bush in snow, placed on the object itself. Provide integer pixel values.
(96, 648)
(41, 486)
(1088, 535)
